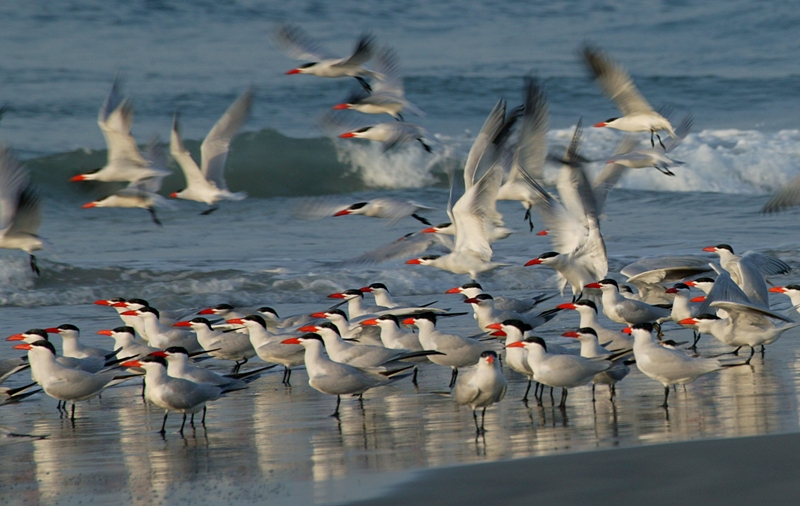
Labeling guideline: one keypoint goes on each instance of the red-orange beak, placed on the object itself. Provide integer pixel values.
(495, 326)
(688, 321)
(518, 344)
(371, 321)
(236, 321)
(777, 289)
(79, 177)
(131, 363)
(454, 290)
(308, 328)
(336, 296)
(291, 340)
(570, 333)
(409, 321)
(699, 298)
(22, 346)
(318, 314)
(601, 124)
(598, 286)
(104, 332)
(339, 107)
(347, 135)
(568, 305)
(207, 310)
(498, 333)
(710, 249)
(293, 71)
(535, 261)
(414, 261)
(15, 337)
(627, 330)
(182, 324)
(89, 205)
(132, 312)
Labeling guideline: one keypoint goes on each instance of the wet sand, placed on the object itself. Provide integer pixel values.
(747, 471)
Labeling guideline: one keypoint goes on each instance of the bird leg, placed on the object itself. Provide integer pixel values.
(152, 212)
(338, 401)
(666, 395)
(164, 423)
(696, 338)
(191, 420)
(593, 399)
(660, 142)
(143, 387)
(762, 351)
(183, 423)
(475, 419)
(203, 420)
(752, 352)
(552, 399)
(612, 388)
(425, 146)
(399, 117)
(72, 416)
(525, 399)
(528, 218)
(421, 219)
(483, 421)
(453, 377)
(34, 267)
(414, 377)
(209, 210)
(736, 351)
(563, 403)
(364, 84)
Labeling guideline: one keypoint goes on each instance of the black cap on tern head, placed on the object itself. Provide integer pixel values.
(488, 353)
(537, 340)
(267, 309)
(223, 307)
(67, 326)
(549, 254)
(148, 309)
(45, 344)
(123, 329)
(587, 330)
(707, 316)
(177, 349)
(141, 302)
(154, 359)
(472, 285)
(609, 281)
(519, 324)
(644, 326)
(587, 303)
(704, 280)
(357, 205)
(256, 318)
(378, 286)
(337, 311)
(312, 336)
(484, 296)
(389, 317)
(38, 332)
(427, 315)
(330, 325)
(202, 320)
(724, 246)
(354, 292)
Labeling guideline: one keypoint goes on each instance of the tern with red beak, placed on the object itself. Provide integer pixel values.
(456, 351)
(668, 366)
(221, 345)
(627, 311)
(65, 383)
(161, 336)
(617, 85)
(297, 44)
(516, 358)
(206, 183)
(472, 289)
(791, 291)
(125, 161)
(173, 394)
(480, 387)
(268, 346)
(749, 271)
(387, 209)
(486, 313)
(610, 338)
(72, 347)
(565, 371)
(336, 378)
(590, 348)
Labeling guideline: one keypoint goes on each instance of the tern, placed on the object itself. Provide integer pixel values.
(161, 336)
(627, 311)
(20, 208)
(206, 183)
(656, 156)
(606, 337)
(71, 347)
(387, 209)
(667, 365)
(472, 289)
(617, 85)
(480, 387)
(221, 345)
(336, 378)
(791, 291)
(516, 358)
(65, 383)
(125, 161)
(178, 366)
(590, 348)
(565, 371)
(749, 271)
(388, 95)
(269, 348)
(298, 45)
(173, 394)
(485, 313)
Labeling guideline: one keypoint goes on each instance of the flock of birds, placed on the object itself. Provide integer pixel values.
(348, 353)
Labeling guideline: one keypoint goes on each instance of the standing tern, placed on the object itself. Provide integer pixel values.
(791, 291)
(480, 387)
(667, 365)
(269, 348)
(298, 45)
(20, 208)
(161, 336)
(617, 85)
(335, 378)
(61, 382)
(178, 366)
(206, 183)
(565, 371)
(608, 338)
(173, 394)
(221, 345)
(473, 289)
(516, 358)
(72, 347)
(627, 311)
(590, 348)
(486, 314)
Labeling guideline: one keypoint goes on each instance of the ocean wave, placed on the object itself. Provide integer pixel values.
(270, 164)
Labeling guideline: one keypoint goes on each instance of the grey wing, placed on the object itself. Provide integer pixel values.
(748, 313)
(680, 133)
(573, 184)
(409, 245)
(113, 100)
(724, 289)
(787, 196)
(531, 150)
(402, 132)
(28, 216)
(14, 180)
(611, 174)
(666, 269)
(615, 82)
(491, 127)
(768, 265)
(362, 52)
(214, 149)
(295, 42)
(464, 391)
(566, 232)
(390, 80)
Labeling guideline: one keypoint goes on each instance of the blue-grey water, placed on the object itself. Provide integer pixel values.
(734, 65)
